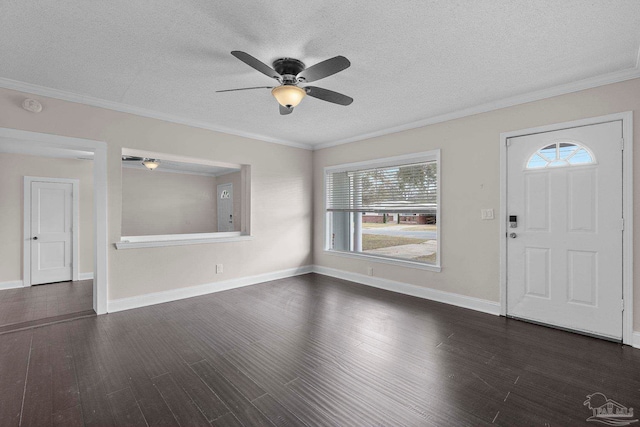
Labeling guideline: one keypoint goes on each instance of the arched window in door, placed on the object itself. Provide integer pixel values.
(560, 154)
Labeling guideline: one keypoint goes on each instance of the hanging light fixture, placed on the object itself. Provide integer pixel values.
(151, 164)
(288, 95)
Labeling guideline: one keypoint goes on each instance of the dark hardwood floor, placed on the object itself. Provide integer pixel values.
(33, 305)
(309, 350)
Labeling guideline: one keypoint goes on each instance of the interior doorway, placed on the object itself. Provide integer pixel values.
(49, 242)
(54, 146)
(225, 207)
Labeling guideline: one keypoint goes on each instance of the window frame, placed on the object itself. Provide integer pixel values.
(407, 159)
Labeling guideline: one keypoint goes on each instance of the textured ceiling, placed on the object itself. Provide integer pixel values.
(411, 60)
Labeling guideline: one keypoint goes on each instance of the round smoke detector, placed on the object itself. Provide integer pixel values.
(32, 105)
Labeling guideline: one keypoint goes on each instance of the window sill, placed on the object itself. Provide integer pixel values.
(384, 260)
(136, 242)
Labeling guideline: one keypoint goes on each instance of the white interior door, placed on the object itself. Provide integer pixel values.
(51, 232)
(225, 207)
(564, 246)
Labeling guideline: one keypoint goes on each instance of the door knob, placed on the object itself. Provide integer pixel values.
(513, 235)
(35, 238)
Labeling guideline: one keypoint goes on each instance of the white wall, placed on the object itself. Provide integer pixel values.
(281, 195)
(470, 181)
(13, 168)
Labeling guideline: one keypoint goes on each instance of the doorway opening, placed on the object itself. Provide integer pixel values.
(65, 216)
(225, 207)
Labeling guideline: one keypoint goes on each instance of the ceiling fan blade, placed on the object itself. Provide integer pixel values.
(285, 110)
(257, 64)
(328, 95)
(246, 88)
(325, 69)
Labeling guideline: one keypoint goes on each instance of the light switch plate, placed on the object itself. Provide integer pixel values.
(486, 214)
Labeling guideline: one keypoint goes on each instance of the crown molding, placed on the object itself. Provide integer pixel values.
(144, 112)
(589, 83)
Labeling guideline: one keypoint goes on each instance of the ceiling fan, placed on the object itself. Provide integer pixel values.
(148, 162)
(290, 72)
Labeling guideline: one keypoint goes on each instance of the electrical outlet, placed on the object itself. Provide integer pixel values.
(370, 271)
(218, 268)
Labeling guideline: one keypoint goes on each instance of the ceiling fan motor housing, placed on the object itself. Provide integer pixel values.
(288, 68)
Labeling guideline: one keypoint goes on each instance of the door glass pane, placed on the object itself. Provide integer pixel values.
(560, 154)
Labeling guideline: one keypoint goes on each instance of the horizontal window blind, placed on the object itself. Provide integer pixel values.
(410, 188)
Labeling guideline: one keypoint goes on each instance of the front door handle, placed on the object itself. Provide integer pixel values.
(35, 238)
(513, 235)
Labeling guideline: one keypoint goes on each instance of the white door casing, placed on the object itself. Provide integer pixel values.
(36, 143)
(51, 227)
(225, 207)
(564, 257)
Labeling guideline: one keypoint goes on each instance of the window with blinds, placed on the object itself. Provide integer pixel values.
(387, 208)
(394, 189)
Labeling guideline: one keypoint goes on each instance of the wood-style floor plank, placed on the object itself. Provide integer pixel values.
(304, 351)
(230, 395)
(176, 355)
(71, 417)
(93, 395)
(311, 416)
(153, 406)
(206, 400)
(15, 350)
(184, 409)
(38, 394)
(125, 409)
(228, 420)
(275, 412)
(245, 385)
(64, 383)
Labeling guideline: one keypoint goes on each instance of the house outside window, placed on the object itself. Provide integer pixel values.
(386, 210)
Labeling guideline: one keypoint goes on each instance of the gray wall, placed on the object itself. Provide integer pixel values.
(281, 195)
(156, 202)
(470, 168)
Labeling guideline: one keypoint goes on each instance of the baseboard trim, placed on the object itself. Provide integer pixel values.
(458, 300)
(85, 276)
(635, 340)
(207, 288)
(11, 284)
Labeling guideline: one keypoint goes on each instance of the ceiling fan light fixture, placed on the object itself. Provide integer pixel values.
(151, 164)
(288, 95)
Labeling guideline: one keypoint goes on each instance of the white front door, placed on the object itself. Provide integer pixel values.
(51, 232)
(225, 207)
(564, 230)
